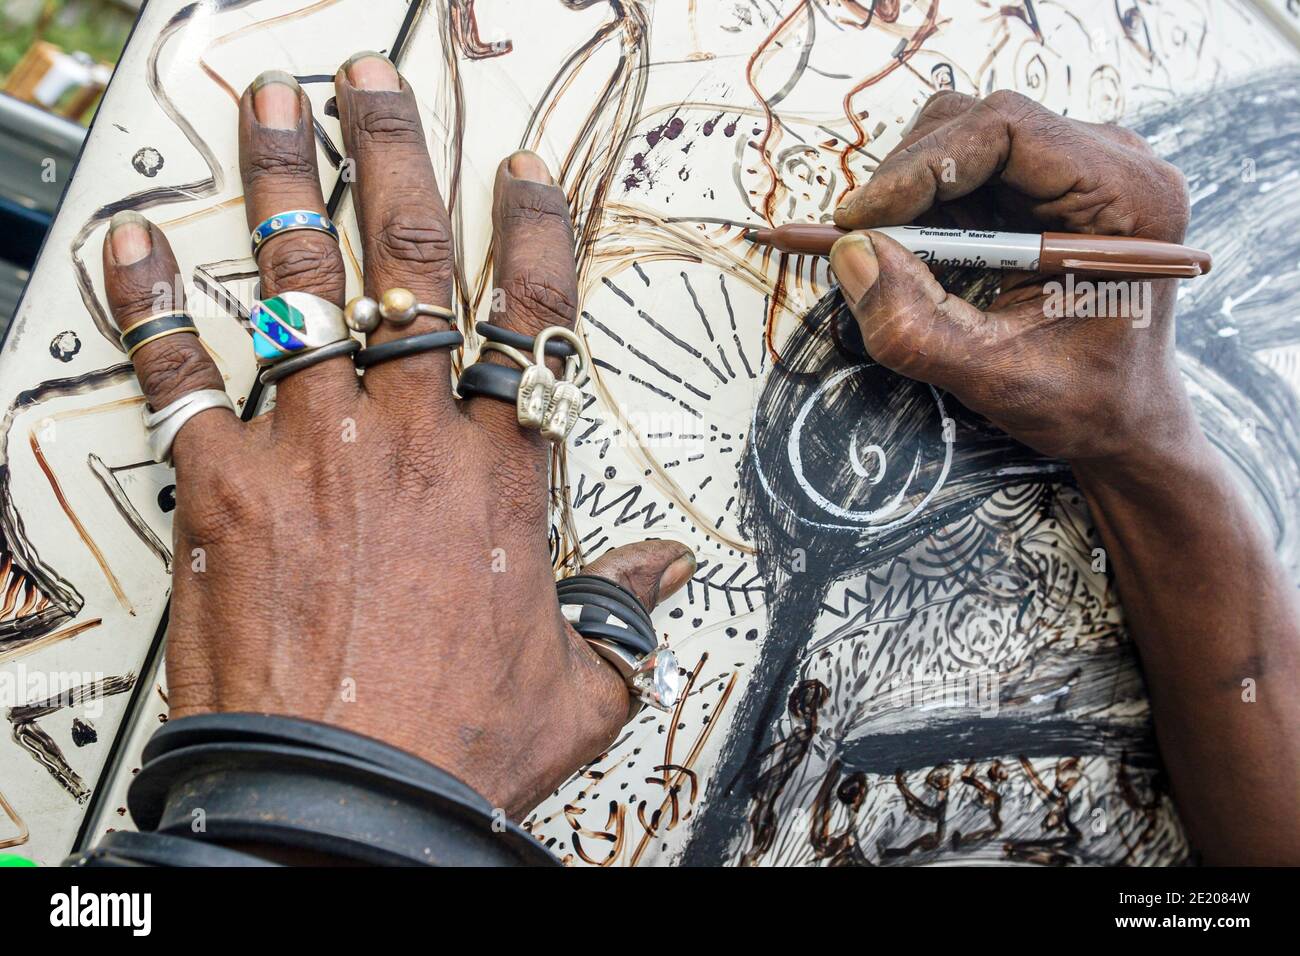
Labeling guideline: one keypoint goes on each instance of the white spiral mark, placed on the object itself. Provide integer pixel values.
(860, 517)
(859, 468)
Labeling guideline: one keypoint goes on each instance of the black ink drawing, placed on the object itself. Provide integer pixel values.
(865, 544)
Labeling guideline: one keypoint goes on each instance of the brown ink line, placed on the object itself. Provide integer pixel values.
(115, 404)
(76, 523)
(186, 219)
(769, 200)
(251, 28)
(24, 833)
(917, 40)
(19, 582)
(48, 639)
(690, 759)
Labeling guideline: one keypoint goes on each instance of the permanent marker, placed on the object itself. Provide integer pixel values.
(1050, 252)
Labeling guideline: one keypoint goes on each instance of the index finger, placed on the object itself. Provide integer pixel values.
(1006, 137)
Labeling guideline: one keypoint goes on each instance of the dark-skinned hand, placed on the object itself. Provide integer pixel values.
(1211, 609)
(397, 584)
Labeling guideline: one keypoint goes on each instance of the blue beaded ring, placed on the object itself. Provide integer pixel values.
(290, 221)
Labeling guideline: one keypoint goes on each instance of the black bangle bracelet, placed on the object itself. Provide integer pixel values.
(625, 637)
(410, 345)
(278, 787)
(129, 848)
(303, 360)
(332, 806)
(555, 348)
(258, 728)
(492, 381)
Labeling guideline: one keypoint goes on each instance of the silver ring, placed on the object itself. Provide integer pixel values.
(165, 424)
(548, 404)
(398, 307)
(516, 356)
(654, 679)
(292, 323)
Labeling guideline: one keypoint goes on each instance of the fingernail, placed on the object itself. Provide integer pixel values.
(372, 71)
(853, 260)
(528, 165)
(128, 235)
(843, 214)
(275, 100)
(677, 573)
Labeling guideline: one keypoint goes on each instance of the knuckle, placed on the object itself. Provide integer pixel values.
(304, 262)
(133, 302)
(946, 103)
(412, 233)
(900, 335)
(1175, 184)
(1131, 139)
(267, 165)
(171, 368)
(531, 208)
(219, 507)
(1154, 201)
(541, 298)
(1010, 104)
(133, 297)
(389, 125)
(893, 344)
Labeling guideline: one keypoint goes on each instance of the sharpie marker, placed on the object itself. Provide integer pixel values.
(1050, 252)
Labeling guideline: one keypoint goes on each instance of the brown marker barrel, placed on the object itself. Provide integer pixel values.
(1121, 255)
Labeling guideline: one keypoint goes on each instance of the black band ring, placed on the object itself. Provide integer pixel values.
(155, 327)
(608, 611)
(491, 380)
(297, 363)
(410, 345)
(610, 596)
(555, 348)
(594, 582)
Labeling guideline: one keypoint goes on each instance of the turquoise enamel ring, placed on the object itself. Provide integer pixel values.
(292, 323)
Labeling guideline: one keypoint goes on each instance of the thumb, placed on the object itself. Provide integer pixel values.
(652, 570)
(909, 323)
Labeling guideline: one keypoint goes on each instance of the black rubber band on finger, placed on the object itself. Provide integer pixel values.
(304, 360)
(588, 582)
(555, 348)
(600, 610)
(410, 345)
(608, 611)
(490, 380)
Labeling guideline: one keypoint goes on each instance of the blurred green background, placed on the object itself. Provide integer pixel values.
(97, 28)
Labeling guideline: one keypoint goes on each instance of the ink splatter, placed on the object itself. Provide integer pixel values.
(65, 346)
(147, 161)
